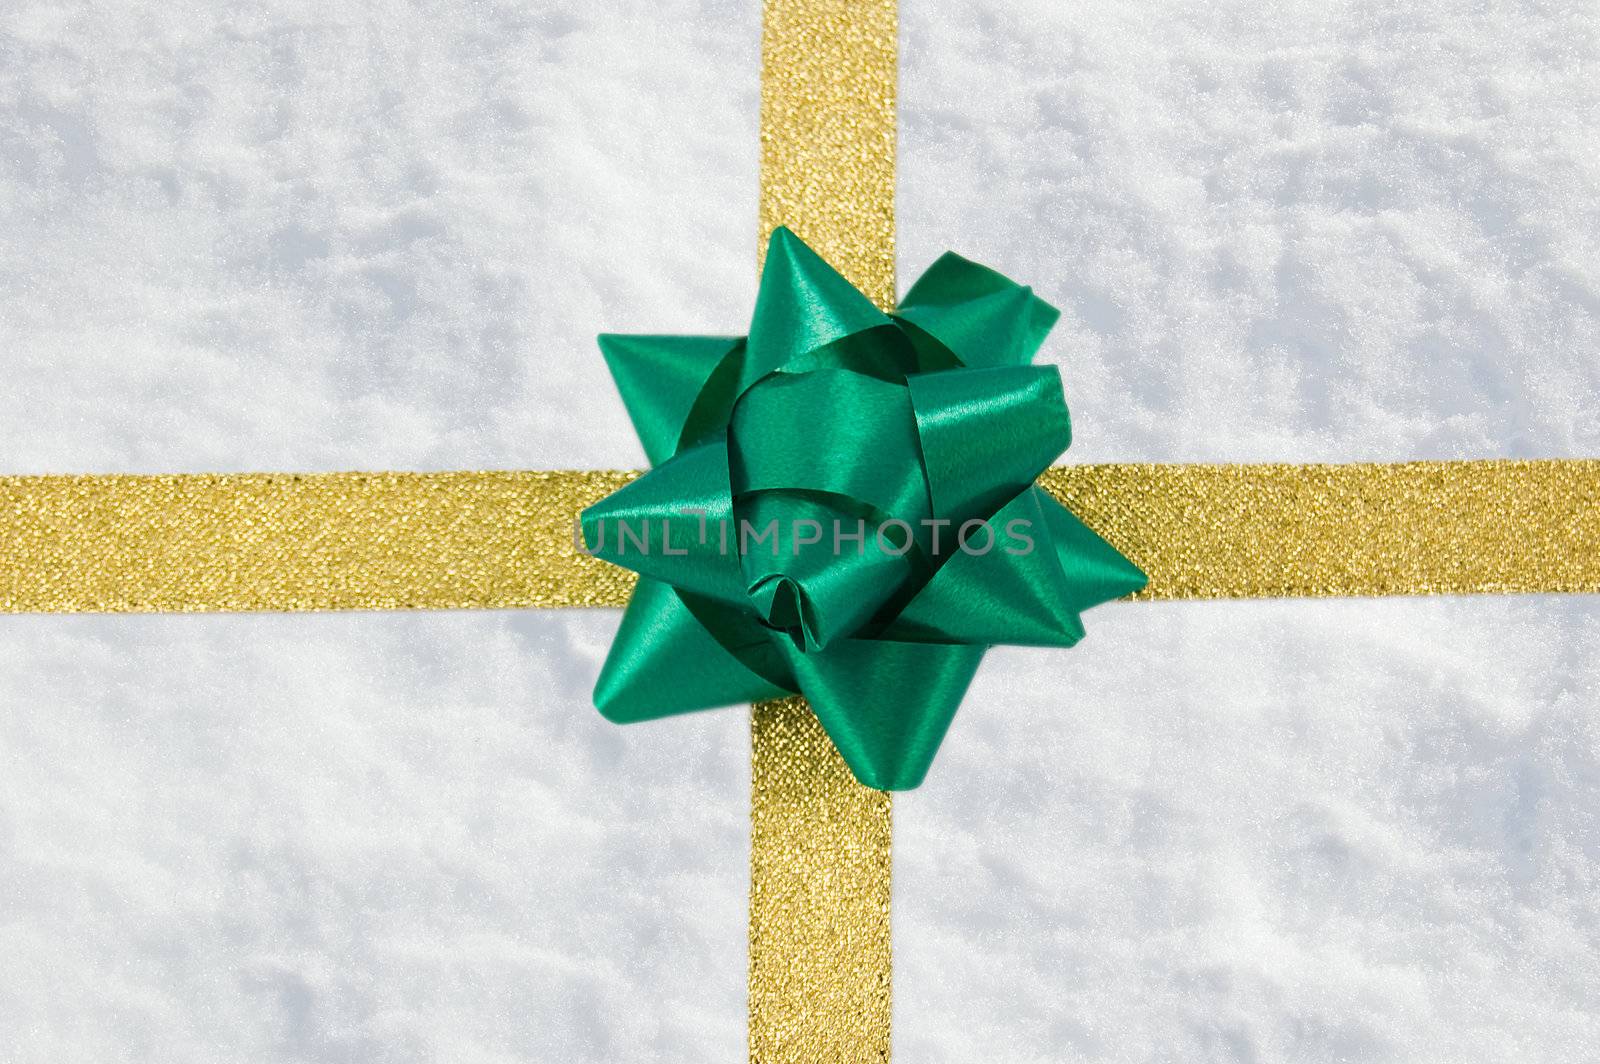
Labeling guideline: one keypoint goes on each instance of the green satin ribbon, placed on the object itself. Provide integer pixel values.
(842, 505)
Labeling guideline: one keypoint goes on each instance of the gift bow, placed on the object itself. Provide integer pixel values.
(842, 505)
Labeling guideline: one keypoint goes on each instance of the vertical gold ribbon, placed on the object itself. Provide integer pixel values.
(820, 842)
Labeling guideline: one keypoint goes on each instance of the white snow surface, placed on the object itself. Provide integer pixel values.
(295, 235)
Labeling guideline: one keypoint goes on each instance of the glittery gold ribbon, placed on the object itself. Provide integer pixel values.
(819, 841)
(504, 540)
(319, 541)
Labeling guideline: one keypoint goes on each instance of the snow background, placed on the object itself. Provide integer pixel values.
(381, 235)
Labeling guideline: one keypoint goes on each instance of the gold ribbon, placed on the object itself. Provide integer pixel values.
(505, 540)
(820, 841)
(820, 847)
(317, 541)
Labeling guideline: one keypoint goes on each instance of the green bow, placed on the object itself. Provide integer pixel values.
(842, 504)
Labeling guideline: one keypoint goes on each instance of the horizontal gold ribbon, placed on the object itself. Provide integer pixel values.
(1313, 531)
(504, 540)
